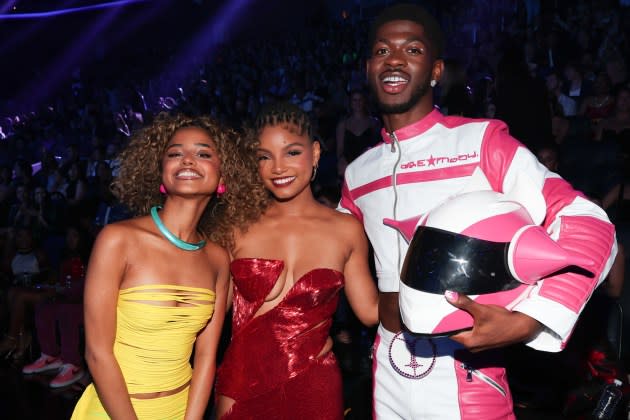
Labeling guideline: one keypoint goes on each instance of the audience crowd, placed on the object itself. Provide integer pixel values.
(555, 72)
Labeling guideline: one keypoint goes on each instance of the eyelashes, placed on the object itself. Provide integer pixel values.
(290, 153)
(202, 155)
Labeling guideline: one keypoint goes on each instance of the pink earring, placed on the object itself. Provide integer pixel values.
(162, 189)
(221, 189)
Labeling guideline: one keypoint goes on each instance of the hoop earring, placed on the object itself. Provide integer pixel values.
(433, 83)
(314, 173)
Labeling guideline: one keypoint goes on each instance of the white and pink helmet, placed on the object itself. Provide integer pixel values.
(483, 244)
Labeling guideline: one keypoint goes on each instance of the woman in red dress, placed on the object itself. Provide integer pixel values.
(288, 269)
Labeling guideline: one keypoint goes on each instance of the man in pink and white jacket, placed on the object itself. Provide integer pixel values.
(425, 158)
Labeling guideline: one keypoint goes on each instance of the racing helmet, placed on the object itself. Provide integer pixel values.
(480, 243)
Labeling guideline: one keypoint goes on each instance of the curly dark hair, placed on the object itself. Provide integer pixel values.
(284, 113)
(137, 184)
(288, 116)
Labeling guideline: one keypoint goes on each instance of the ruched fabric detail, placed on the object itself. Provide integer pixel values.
(156, 328)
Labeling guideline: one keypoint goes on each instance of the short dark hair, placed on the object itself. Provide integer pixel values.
(414, 13)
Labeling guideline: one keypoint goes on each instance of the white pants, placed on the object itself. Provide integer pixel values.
(416, 378)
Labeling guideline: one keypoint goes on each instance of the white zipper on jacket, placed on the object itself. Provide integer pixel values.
(395, 143)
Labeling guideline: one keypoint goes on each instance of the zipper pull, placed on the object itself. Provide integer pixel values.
(392, 136)
(469, 371)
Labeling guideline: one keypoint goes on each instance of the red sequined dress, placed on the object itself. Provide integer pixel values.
(271, 368)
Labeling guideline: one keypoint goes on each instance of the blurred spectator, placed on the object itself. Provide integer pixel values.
(454, 97)
(304, 98)
(49, 217)
(521, 101)
(63, 316)
(69, 158)
(617, 71)
(560, 104)
(600, 103)
(75, 190)
(47, 166)
(97, 155)
(5, 194)
(576, 88)
(22, 174)
(111, 152)
(615, 131)
(356, 132)
(108, 208)
(57, 183)
(29, 268)
(22, 213)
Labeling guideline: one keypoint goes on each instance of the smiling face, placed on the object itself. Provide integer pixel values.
(401, 67)
(285, 161)
(191, 164)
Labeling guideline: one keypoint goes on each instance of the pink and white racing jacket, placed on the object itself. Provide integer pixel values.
(417, 167)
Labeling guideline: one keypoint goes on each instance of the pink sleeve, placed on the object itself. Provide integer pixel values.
(577, 224)
(347, 203)
(558, 194)
(591, 238)
(498, 148)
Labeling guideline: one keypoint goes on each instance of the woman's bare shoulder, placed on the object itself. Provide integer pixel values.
(343, 221)
(124, 231)
(216, 253)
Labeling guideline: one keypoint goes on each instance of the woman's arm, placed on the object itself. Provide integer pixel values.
(206, 349)
(105, 272)
(360, 286)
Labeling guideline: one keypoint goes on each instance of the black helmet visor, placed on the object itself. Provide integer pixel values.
(438, 260)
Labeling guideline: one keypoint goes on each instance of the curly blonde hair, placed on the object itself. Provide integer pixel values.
(138, 182)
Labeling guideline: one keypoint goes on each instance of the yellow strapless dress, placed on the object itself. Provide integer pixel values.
(153, 346)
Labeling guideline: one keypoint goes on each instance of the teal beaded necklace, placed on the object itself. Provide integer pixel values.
(187, 246)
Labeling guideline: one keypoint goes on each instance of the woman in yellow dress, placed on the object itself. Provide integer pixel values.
(157, 284)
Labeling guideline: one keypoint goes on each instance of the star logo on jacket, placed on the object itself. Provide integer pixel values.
(443, 161)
